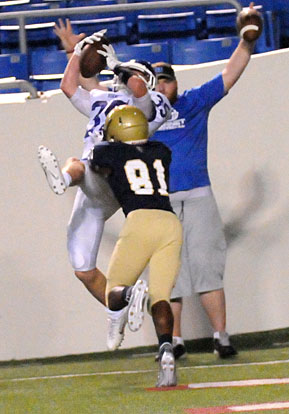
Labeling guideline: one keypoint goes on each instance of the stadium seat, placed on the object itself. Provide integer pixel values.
(46, 69)
(151, 52)
(186, 52)
(39, 30)
(90, 3)
(153, 27)
(221, 23)
(116, 27)
(14, 65)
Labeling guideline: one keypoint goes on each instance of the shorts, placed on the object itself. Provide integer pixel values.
(93, 205)
(151, 237)
(204, 246)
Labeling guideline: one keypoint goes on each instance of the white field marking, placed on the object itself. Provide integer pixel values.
(93, 374)
(241, 383)
(265, 406)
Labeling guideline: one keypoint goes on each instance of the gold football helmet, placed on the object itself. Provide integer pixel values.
(127, 124)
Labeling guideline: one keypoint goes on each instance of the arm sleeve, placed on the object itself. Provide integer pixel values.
(145, 104)
(81, 101)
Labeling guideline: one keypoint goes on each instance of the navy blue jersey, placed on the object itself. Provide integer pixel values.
(138, 174)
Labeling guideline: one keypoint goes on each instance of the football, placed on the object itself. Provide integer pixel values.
(249, 24)
(91, 62)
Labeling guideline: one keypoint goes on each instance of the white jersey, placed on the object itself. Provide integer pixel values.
(97, 103)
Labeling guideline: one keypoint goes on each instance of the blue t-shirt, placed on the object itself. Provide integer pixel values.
(186, 134)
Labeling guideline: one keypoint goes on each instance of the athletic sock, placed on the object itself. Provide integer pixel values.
(126, 293)
(165, 338)
(178, 340)
(67, 178)
(223, 338)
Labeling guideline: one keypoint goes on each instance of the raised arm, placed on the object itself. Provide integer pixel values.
(69, 40)
(237, 64)
(238, 61)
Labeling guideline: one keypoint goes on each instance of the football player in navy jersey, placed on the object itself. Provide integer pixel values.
(137, 171)
(204, 247)
(94, 202)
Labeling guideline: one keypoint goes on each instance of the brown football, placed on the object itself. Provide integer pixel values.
(91, 62)
(249, 24)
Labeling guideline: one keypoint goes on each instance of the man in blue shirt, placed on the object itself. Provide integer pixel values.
(204, 245)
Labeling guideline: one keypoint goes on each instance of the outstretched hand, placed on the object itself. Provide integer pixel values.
(110, 55)
(65, 33)
(89, 40)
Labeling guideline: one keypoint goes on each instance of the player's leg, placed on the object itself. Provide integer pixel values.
(60, 179)
(129, 258)
(206, 242)
(164, 266)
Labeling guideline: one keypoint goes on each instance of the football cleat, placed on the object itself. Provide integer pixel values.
(136, 305)
(167, 376)
(52, 171)
(116, 326)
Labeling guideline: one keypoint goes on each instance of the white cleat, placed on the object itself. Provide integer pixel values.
(167, 367)
(136, 305)
(116, 325)
(52, 171)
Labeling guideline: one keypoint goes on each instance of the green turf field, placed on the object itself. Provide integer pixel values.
(118, 384)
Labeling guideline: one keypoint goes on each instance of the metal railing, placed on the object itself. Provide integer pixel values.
(122, 7)
(21, 84)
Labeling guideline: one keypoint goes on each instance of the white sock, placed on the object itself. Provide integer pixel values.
(178, 340)
(223, 337)
(67, 178)
(114, 314)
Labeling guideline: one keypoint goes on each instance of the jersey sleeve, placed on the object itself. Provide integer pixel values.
(81, 101)
(161, 111)
(208, 94)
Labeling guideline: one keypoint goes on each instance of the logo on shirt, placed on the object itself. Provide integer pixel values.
(173, 122)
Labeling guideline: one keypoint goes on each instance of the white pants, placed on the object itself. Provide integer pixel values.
(94, 204)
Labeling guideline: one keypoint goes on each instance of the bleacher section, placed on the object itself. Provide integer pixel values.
(181, 35)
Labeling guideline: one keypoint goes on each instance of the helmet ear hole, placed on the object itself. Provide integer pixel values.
(126, 123)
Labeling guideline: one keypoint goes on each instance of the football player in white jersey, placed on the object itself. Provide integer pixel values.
(94, 203)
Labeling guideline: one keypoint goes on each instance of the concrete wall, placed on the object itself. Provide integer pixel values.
(44, 309)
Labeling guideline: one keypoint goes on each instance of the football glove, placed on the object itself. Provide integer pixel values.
(110, 55)
(95, 37)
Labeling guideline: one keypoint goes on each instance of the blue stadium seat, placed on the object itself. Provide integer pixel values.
(116, 27)
(186, 52)
(151, 52)
(221, 23)
(46, 69)
(89, 3)
(153, 27)
(38, 36)
(14, 65)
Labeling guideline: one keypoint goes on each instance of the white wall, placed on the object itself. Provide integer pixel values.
(44, 309)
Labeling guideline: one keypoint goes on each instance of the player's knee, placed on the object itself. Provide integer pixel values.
(87, 277)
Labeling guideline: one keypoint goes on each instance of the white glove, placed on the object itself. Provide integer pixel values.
(95, 37)
(110, 55)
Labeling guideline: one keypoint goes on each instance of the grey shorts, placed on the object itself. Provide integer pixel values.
(204, 246)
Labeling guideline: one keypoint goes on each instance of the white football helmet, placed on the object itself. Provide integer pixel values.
(145, 68)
